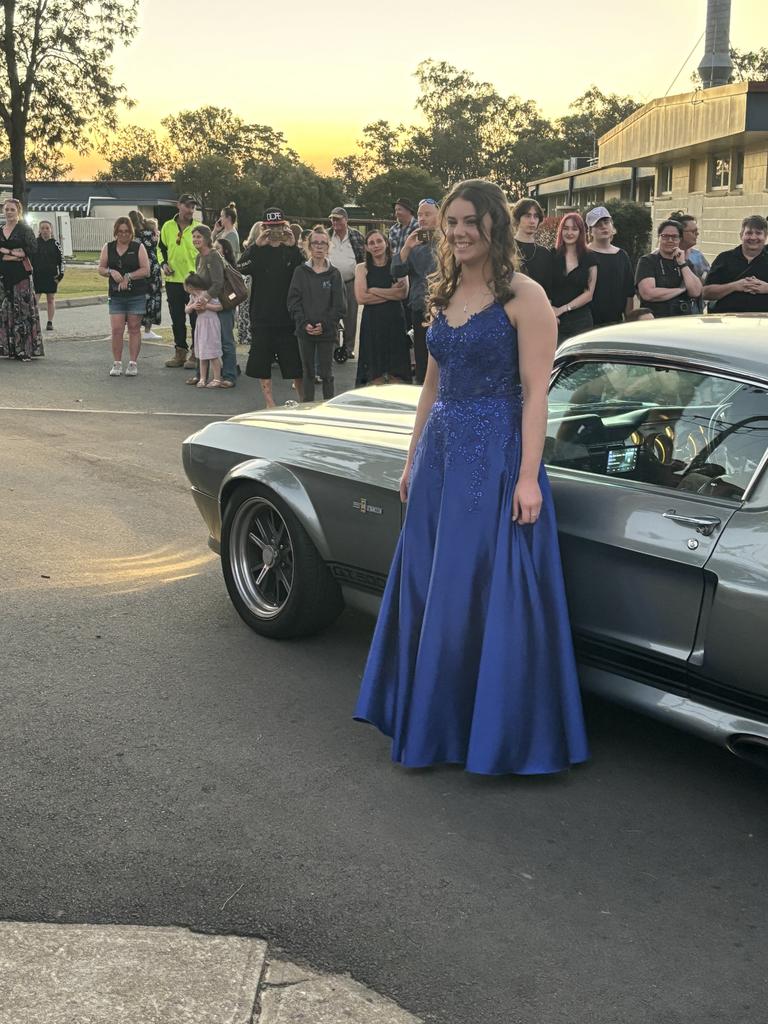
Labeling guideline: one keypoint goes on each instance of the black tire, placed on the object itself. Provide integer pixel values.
(276, 579)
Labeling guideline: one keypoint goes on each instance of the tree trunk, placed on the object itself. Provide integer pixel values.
(19, 166)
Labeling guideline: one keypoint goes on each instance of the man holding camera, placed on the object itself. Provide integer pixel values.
(416, 260)
(178, 259)
(738, 279)
(664, 279)
(270, 262)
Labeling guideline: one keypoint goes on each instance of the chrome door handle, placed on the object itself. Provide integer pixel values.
(701, 524)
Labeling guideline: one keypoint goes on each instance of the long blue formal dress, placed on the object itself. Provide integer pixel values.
(472, 659)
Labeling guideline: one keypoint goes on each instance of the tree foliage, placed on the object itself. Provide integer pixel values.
(136, 154)
(218, 131)
(591, 115)
(469, 130)
(378, 194)
(633, 225)
(56, 73)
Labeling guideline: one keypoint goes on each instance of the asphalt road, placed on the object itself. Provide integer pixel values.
(156, 757)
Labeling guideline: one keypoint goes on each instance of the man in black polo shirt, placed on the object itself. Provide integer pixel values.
(535, 260)
(738, 280)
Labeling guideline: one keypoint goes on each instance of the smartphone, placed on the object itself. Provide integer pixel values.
(424, 235)
(277, 233)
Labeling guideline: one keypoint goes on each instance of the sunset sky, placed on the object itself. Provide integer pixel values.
(318, 72)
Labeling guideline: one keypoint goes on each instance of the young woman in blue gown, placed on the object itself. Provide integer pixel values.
(472, 660)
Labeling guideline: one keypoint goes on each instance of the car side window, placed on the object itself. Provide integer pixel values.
(674, 428)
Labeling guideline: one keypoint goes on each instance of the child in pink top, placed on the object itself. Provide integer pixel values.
(207, 331)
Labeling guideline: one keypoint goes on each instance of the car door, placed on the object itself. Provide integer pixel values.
(641, 506)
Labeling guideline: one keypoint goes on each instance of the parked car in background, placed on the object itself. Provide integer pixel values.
(656, 449)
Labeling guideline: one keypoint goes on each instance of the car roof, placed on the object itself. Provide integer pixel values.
(734, 343)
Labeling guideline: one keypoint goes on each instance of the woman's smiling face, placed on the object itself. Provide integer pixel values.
(463, 230)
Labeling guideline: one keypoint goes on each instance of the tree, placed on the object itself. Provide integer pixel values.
(213, 179)
(594, 114)
(217, 131)
(297, 188)
(136, 154)
(56, 74)
(380, 192)
(633, 225)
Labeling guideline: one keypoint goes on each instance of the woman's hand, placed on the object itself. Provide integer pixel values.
(526, 502)
(404, 481)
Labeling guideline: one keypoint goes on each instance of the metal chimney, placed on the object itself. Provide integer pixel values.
(715, 67)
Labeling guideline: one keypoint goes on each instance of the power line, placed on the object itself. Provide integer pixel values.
(693, 48)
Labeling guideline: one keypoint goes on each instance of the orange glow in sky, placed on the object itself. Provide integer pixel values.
(319, 72)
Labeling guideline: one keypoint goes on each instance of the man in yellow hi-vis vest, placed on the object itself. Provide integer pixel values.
(178, 258)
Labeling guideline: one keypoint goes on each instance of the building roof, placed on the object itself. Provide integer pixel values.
(688, 124)
(732, 342)
(78, 196)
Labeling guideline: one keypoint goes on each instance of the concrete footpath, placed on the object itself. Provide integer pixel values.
(124, 974)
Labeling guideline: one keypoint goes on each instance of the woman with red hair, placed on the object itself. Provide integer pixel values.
(574, 278)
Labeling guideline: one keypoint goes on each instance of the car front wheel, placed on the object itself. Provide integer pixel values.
(276, 579)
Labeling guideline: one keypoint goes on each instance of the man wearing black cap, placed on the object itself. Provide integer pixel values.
(405, 223)
(270, 262)
(178, 258)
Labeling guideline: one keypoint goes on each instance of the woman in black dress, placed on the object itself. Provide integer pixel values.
(20, 335)
(574, 278)
(384, 350)
(48, 268)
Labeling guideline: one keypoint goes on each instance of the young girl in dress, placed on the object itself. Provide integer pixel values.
(207, 331)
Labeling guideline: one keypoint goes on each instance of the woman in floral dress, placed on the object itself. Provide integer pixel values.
(20, 336)
(145, 230)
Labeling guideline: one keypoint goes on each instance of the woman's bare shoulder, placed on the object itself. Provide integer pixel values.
(528, 295)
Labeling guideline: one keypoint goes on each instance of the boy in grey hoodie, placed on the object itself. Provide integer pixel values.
(317, 301)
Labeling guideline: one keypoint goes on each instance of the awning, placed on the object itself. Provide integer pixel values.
(52, 207)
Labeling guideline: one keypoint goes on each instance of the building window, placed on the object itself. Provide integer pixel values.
(738, 169)
(720, 171)
(665, 179)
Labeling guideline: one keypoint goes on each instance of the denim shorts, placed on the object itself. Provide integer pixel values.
(126, 304)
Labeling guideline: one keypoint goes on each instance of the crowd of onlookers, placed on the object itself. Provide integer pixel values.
(293, 294)
(590, 281)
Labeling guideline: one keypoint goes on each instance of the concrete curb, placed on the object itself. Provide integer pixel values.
(72, 973)
(85, 300)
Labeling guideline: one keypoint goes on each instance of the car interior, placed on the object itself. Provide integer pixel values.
(673, 428)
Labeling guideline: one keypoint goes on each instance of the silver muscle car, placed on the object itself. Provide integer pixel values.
(656, 449)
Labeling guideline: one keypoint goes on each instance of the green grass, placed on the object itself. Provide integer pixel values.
(81, 281)
(84, 257)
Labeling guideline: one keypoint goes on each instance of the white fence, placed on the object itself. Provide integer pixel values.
(90, 233)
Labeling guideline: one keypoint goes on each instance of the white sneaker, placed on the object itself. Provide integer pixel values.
(151, 336)
(131, 370)
(117, 369)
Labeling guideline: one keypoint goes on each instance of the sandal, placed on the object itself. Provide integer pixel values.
(202, 384)
(215, 383)
(191, 380)
(223, 383)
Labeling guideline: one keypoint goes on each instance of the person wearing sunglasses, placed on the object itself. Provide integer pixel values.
(178, 258)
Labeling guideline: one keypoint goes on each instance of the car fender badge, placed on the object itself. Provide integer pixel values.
(362, 505)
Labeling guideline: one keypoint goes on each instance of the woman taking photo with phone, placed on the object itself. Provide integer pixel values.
(20, 335)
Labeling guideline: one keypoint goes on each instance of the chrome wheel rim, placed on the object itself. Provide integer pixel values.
(261, 557)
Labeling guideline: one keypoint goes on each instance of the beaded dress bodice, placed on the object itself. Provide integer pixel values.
(478, 359)
(478, 405)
